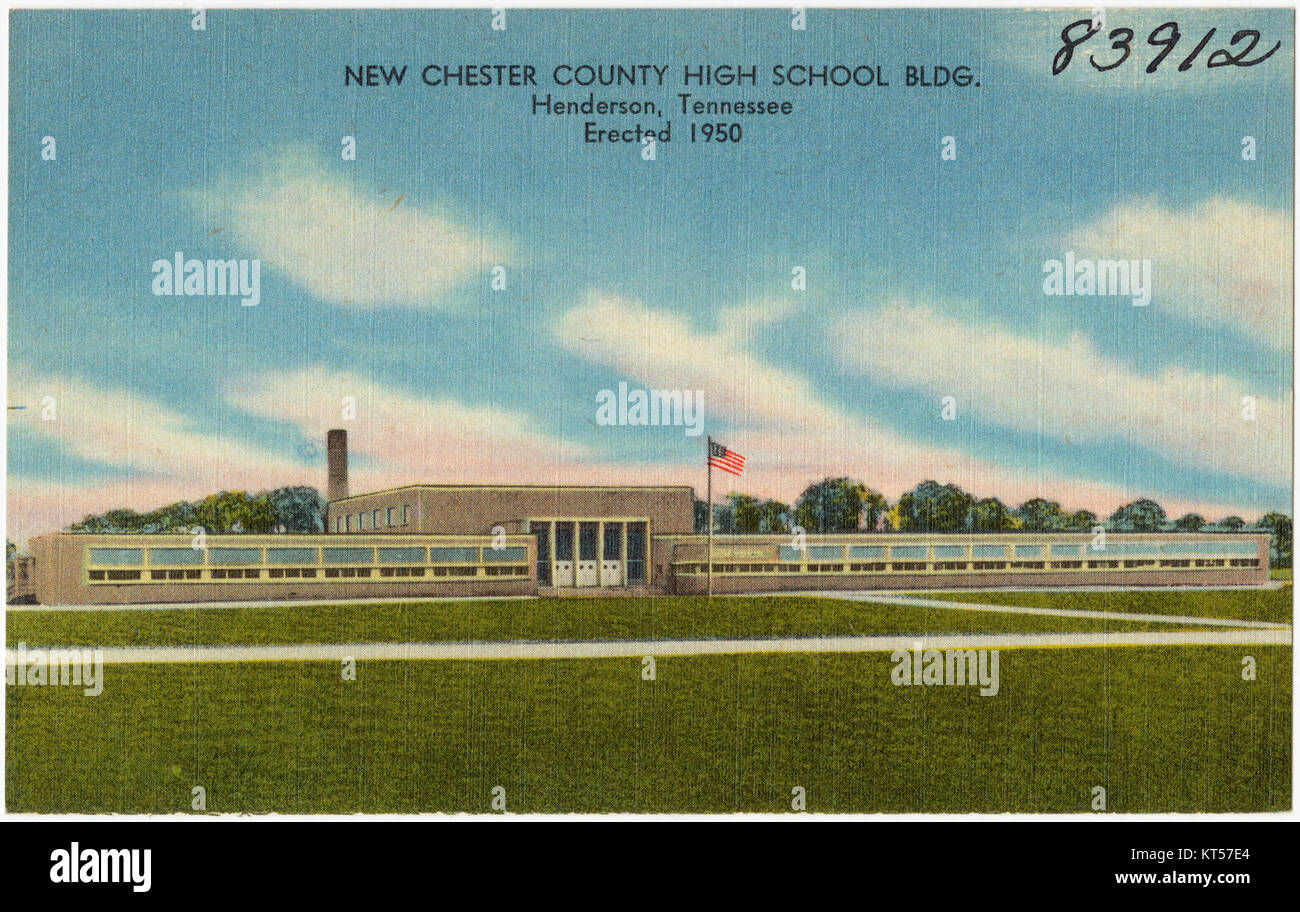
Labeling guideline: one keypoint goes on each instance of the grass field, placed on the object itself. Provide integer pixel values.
(532, 619)
(1167, 728)
(1242, 604)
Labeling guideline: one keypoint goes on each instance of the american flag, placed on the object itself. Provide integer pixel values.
(725, 459)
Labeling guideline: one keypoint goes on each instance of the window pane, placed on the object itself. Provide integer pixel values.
(347, 555)
(543, 553)
(564, 541)
(613, 541)
(291, 555)
(401, 555)
(118, 556)
(175, 556)
(587, 541)
(636, 552)
(453, 555)
(234, 555)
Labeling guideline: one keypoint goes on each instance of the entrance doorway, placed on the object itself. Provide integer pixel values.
(587, 574)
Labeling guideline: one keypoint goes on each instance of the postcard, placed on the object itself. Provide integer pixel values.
(735, 411)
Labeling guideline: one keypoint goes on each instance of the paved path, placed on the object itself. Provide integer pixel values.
(920, 602)
(859, 595)
(611, 649)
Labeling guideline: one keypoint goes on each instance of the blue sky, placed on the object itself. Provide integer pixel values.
(924, 275)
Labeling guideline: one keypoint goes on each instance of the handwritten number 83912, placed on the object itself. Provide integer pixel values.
(1165, 37)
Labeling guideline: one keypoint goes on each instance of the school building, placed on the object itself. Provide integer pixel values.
(429, 541)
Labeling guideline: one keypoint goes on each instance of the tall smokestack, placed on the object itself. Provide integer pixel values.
(336, 446)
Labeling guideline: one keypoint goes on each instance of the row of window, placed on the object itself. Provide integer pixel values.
(280, 573)
(169, 557)
(370, 520)
(916, 566)
(1019, 552)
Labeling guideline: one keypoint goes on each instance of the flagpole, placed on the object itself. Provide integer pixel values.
(708, 461)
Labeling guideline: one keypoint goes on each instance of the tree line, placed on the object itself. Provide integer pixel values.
(295, 509)
(830, 505)
(846, 505)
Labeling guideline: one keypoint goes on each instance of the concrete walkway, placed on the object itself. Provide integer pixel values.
(613, 649)
(920, 602)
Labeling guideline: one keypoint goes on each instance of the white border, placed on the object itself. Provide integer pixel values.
(632, 4)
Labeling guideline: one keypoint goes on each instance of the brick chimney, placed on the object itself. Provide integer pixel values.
(336, 445)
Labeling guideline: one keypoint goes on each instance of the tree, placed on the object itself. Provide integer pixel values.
(748, 512)
(1081, 521)
(1280, 545)
(992, 515)
(838, 505)
(1192, 522)
(1039, 515)
(932, 507)
(298, 509)
(774, 517)
(1138, 516)
(754, 515)
(1232, 523)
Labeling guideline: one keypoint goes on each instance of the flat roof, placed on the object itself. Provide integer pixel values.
(517, 487)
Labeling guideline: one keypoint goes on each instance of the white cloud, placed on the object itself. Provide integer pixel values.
(406, 438)
(348, 246)
(1222, 262)
(1069, 390)
(789, 433)
(155, 454)
(741, 321)
(138, 434)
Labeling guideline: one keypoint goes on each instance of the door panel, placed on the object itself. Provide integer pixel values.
(611, 573)
(563, 573)
(588, 574)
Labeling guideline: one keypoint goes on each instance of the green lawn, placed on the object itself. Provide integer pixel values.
(1242, 604)
(1279, 573)
(532, 619)
(1162, 729)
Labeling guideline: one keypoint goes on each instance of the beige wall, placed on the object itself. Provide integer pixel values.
(726, 585)
(455, 509)
(752, 549)
(61, 572)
